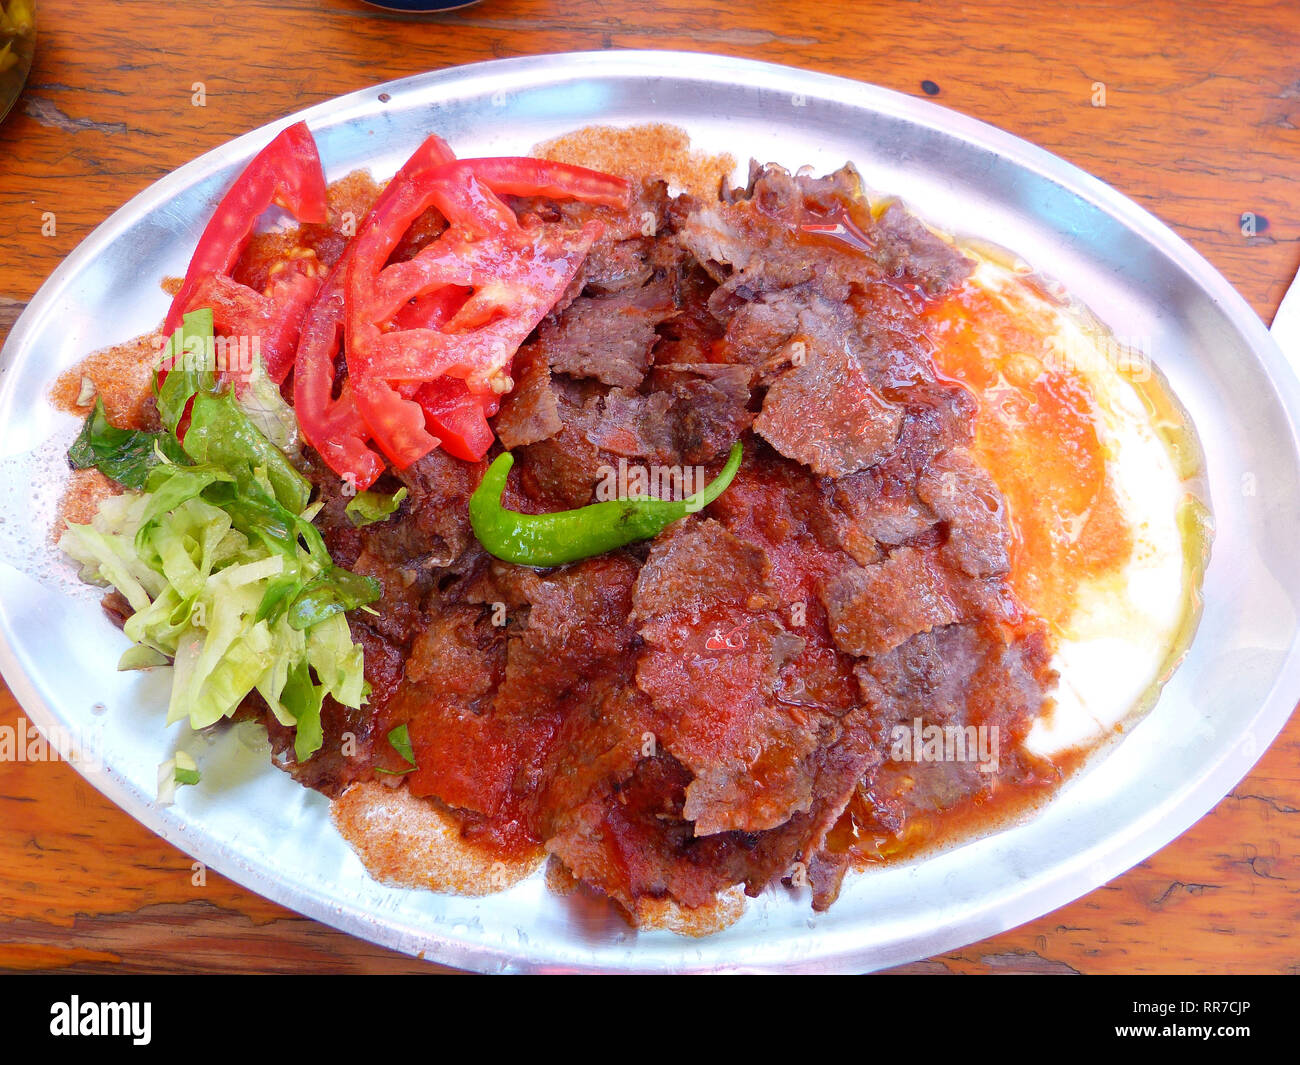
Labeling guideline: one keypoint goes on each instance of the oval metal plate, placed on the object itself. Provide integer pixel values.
(1222, 708)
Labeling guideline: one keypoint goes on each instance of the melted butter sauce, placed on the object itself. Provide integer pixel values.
(1036, 432)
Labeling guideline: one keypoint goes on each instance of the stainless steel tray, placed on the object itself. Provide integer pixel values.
(252, 823)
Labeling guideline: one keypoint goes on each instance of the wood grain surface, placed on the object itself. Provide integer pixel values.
(1201, 125)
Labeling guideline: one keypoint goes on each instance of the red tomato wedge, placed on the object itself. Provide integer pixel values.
(516, 278)
(429, 342)
(287, 172)
(274, 317)
(330, 424)
(333, 425)
(522, 176)
(516, 275)
(458, 416)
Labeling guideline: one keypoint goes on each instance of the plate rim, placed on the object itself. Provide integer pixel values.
(994, 916)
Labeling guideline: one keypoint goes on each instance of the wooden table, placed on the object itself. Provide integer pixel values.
(1201, 124)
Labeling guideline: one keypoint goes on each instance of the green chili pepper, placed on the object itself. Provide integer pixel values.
(570, 535)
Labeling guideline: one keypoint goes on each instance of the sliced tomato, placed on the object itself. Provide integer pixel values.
(515, 275)
(274, 318)
(429, 342)
(286, 172)
(476, 345)
(458, 416)
(517, 176)
(515, 282)
(332, 424)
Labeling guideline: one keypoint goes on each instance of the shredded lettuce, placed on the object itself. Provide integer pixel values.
(267, 410)
(180, 769)
(213, 547)
(187, 772)
(368, 507)
(197, 585)
(125, 455)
